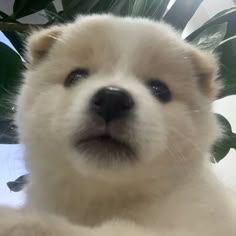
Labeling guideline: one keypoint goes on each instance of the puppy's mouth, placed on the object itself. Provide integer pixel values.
(104, 139)
(105, 146)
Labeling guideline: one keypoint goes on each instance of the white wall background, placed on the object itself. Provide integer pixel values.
(11, 163)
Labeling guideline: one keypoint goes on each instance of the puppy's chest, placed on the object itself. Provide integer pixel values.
(96, 211)
(94, 205)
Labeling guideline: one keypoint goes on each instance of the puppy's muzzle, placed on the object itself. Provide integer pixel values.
(106, 133)
(112, 103)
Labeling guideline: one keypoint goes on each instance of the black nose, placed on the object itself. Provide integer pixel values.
(112, 103)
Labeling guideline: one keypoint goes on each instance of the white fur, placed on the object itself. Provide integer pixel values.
(170, 190)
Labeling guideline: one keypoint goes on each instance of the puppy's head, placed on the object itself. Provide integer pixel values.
(116, 94)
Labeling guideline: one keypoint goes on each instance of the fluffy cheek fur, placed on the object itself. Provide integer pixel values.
(191, 132)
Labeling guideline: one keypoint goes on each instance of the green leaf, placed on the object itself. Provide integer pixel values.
(145, 8)
(210, 38)
(233, 141)
(181, 12)
(138, 7)
(227, 53)
(16, 40)
(222, 146)
(7, 132)
(18, 184)
(23, 8)
(69, 5)
(10, 67)
(119, 7)
(13, 36)
(162, 10)
(3, 15)
(148, 8)
(228, 16)
(51, 12)
(74, 7)
(222, 13)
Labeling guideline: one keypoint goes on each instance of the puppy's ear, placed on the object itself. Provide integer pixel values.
(205, 66)
(40, 42)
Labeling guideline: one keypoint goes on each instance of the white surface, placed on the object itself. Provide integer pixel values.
(226, 169)
(11, 167)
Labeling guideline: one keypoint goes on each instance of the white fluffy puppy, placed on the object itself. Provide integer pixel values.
(115, 116)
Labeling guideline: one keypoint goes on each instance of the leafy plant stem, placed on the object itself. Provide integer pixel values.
(233, 141)
(8, 26)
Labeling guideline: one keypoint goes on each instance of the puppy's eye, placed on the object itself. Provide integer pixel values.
(159, 90)
(75, 76)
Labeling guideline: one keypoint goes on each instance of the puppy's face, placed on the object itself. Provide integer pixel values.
(116, 94)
